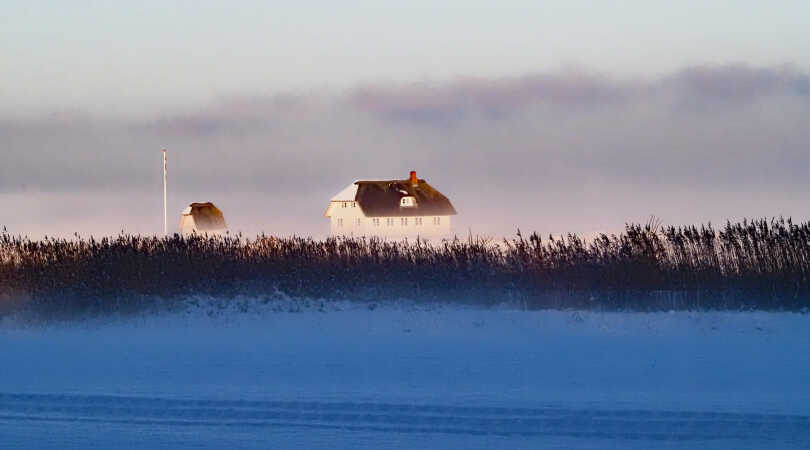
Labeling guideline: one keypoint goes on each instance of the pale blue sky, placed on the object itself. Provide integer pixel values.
(132, 58)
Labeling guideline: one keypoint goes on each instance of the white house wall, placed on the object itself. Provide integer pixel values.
(187, 225)
(347, 219)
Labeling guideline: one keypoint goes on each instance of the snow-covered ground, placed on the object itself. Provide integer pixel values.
(350, 376)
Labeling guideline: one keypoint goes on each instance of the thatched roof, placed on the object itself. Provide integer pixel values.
(382, 198)
(206, 216)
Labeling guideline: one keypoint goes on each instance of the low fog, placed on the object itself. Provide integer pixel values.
(552, 152)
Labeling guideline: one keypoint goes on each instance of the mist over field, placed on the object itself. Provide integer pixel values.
(552, 151)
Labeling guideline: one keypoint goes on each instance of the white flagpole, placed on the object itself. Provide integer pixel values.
(165, 219)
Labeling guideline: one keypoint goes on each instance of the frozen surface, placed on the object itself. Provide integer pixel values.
(347, 376)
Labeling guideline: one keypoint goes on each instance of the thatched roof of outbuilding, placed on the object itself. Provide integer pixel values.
(206, 216)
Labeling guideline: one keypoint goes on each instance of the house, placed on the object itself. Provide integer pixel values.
(396, 209)
(202, 218)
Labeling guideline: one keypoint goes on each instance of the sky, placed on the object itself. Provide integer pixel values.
(552, 116)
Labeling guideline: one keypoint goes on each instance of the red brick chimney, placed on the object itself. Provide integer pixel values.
(414, 180)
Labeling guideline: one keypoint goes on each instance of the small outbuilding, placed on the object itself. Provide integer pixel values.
(202, 218)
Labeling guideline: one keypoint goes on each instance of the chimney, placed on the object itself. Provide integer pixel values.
(414, 181)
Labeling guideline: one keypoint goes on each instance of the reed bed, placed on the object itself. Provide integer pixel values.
(760, 264)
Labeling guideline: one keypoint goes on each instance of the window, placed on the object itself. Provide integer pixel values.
(418, 221)
(340, 222)
(403, 221)
(389, 221)
(342, 204)
(376, 221)
(354, 204)
(408, 201)
(437, 221)
(359, 222)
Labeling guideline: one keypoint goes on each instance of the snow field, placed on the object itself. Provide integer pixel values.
(352, 376)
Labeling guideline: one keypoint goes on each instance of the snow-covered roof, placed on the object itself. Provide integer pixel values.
(348, 194)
